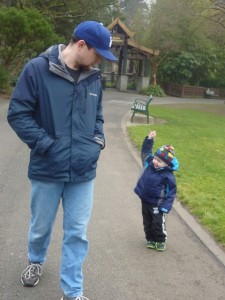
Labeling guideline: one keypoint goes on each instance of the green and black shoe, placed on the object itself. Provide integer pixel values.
(151, 244)
(160, 246)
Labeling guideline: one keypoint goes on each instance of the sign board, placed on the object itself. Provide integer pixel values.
(118, 39)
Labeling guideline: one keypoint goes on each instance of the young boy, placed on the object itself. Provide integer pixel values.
(156, 187)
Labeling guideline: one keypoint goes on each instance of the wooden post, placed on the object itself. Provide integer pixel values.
(140, 69)
(120, 62)
(124, 60)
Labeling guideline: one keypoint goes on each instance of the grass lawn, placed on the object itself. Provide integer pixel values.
(197, 133)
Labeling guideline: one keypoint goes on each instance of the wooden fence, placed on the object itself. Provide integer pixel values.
(188, 91)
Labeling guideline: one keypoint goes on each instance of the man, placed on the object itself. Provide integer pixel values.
(56, 109)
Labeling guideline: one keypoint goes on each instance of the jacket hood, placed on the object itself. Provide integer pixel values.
(52, 53)
(57, 65)
(175, 164)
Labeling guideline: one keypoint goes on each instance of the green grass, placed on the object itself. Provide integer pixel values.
(199, 141)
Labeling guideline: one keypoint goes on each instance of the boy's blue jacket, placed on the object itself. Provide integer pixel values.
(157, 187)
(61, 121)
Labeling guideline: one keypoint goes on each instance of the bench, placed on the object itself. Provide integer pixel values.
(141, 106)
(210, 94)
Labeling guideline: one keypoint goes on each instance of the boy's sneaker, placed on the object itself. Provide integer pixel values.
(151, 244)
(31, 275)
(160, 246)
(76, 298)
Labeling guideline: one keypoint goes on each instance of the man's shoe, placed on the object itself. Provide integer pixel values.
(31, 275)
(76, 298)
(151, 244)
(160, 246)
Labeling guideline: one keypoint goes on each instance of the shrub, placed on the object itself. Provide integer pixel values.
(4, 78)
(154, 90)
(131, 86)
(110, 84)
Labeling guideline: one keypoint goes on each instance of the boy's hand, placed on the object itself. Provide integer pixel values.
(152, 134)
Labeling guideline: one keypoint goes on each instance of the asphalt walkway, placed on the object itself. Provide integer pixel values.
(119, 266)
(192, 267)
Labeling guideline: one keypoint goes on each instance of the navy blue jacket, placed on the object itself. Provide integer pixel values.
(61, 121)
(157, 187)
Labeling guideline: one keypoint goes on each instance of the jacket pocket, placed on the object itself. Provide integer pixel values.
(85, 154)
(55, 161)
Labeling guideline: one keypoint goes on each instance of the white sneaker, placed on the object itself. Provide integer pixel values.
(31, 275)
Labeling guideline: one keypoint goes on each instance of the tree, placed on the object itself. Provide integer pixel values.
(189, 68)
(134, 10)
(177, 27)
(23, 34)
(65, 15)
(215, 11)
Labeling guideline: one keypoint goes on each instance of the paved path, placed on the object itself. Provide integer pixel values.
(118, 266)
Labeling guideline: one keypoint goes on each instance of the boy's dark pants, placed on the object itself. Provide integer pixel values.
(154, 223)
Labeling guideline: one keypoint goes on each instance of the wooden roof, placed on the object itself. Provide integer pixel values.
(130, 41)
(117, 21)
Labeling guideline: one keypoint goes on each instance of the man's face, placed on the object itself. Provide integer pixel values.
(89, 56)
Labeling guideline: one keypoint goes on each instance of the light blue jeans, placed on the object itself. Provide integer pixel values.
(77, 200)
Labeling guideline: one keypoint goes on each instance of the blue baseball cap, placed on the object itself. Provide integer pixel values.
(97, 36)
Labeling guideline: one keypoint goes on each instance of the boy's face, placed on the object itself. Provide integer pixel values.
(158, 163)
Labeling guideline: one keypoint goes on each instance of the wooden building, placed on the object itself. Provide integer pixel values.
(133, 59)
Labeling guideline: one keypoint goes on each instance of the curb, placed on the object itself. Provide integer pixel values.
(191, 222)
